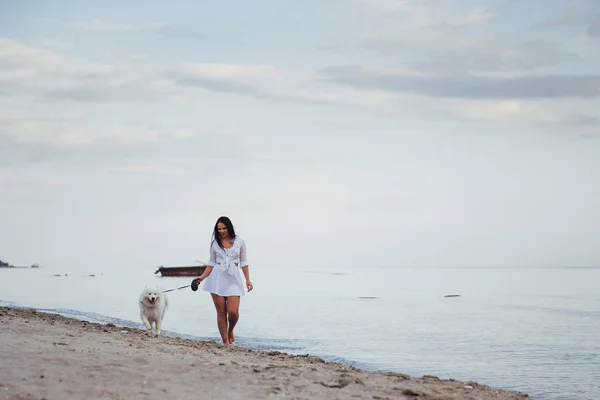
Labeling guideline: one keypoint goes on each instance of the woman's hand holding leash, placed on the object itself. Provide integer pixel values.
(249, 285)
(196, 283)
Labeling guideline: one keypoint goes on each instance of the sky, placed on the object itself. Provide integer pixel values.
(334, 134)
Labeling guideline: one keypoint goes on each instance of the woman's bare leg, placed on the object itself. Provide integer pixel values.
(221, 306)
(233, 314)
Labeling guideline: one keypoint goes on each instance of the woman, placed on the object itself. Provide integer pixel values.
(223, 279)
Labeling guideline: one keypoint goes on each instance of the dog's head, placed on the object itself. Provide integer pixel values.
(151, 297)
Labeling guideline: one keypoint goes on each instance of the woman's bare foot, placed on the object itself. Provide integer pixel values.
(231, 337)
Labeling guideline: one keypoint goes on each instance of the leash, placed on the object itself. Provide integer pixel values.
(194, 287)
(170, 290)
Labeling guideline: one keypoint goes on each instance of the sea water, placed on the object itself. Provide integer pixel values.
(529, 329)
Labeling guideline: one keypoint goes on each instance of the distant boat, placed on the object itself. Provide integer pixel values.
(35, 265)
(193, 270)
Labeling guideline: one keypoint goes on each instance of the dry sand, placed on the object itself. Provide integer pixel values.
(47, 356)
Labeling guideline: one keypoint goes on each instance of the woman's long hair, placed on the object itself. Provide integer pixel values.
(227, 222)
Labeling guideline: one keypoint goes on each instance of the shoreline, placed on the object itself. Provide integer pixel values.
(46, 355)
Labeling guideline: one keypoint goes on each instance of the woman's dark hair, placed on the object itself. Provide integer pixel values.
(227, 222)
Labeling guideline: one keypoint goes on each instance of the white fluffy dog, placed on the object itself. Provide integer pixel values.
(153, 305)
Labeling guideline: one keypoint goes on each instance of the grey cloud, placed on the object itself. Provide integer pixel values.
(170, 31)
(80, 86)
(584, 17)
(433, 33)
(594, 28)
(256, 88)
(469, 86)
(184, 79)
(92, 94)
(219, 86)
(570, 18)
(81, 92)
(487, 54)
(100, 26)
(582, 120)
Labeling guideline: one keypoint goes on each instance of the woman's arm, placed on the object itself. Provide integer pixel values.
(209, 266)
(246, 272)
(205, 274)
(245, 267)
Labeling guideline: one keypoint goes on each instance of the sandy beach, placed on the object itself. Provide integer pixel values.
(47, 356)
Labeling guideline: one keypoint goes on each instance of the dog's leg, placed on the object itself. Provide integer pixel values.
(160, 318)
(158, 326)
(147, 323)
(161, 315)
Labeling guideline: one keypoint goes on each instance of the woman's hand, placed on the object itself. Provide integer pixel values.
(249, 285)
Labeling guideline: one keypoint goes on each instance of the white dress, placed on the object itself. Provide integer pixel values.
(225, 278)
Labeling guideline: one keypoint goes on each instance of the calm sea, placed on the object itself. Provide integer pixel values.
(529, 329)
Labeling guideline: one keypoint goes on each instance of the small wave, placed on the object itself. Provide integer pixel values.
(103, 319)
(292, 346)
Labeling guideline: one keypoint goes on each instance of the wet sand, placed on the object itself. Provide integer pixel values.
(47, 356)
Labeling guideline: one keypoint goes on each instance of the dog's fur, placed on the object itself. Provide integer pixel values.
(153, 305)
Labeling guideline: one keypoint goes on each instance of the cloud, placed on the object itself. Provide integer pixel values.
(514, 111)
(174, 32)
(441, 35)
(475, 98)
(148, 169)
(29, 71)
(26, 71)
(96, 25)
(481, 98)
(480, 16)
(438, 50)
(53, 44)
(594, 27)
(15, 53)
(581, 17)
(468, 86)
(67, 131)
(70, 130)
(271, 82)
(572, 17)
(498, 54)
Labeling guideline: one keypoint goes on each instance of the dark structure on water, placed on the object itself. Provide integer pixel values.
(181, 271)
